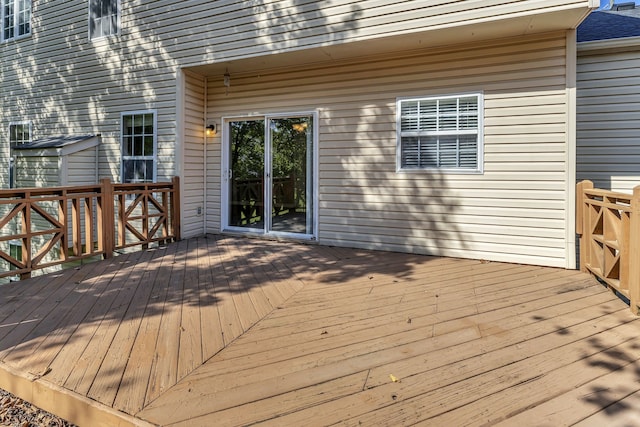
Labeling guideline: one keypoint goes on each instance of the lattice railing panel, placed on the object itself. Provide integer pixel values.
(52, 226)
(609, 227)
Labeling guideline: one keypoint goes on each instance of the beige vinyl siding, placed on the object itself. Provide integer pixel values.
(515, 211)
(608, 121)
(80, 168)
(69, 85)
(237, 29)
(193, 184)
(38, 172)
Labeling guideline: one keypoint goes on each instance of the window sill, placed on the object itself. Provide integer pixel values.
(16, 38)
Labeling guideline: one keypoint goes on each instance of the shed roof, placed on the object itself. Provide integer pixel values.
(53, 142)
(610, 24)
(57, 145)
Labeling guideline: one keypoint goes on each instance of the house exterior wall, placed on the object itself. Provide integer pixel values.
(194, 185)
(608, 120)
(515, 211)
(66, 84)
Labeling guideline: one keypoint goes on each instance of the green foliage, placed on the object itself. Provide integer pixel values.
(289, 139)
(247, 149)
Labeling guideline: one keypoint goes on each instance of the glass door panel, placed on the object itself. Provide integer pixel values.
(246, 174)
(291, 166)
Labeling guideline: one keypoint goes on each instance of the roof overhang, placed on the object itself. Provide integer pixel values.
(56, 146)
(463, 33)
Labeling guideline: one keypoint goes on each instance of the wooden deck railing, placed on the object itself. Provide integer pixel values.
(608, 224)
(52, 226)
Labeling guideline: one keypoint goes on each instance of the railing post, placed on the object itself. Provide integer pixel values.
(583, 229)
(26, 231)
(634, 252)
(175, 207)
(88, 225)
(145, 216)
(106, 227)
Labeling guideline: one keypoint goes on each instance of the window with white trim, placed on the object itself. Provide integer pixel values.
(16, 18)
(104, 18)
(440, 133)
(138, 136)
(19, 133)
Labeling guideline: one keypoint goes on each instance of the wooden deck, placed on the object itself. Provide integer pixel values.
(231, 331)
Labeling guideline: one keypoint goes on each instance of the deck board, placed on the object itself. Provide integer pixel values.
(164, 368)
(131, 394)
(82, 325)
(58, 326)
(223, 330)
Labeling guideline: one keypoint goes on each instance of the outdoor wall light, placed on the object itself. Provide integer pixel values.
(211, 129)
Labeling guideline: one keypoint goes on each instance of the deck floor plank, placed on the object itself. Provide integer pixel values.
(234, 274)
(190, 347)
(282, 404)
(614, 408)
(603, 400)
(472, 362)
(110, 315)
(229, 319)
(60, 325)
(108, 379)
(59, 368)
(131, 394)
(233, 373)
(29, 317)
(210, 320)
(16, 297)
(164, 367)
(557, 371)
(222, 330)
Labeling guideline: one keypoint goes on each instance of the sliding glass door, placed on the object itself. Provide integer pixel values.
(269, 173)
(246, 174)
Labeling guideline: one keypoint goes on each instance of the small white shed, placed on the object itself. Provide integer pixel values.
(57, 161)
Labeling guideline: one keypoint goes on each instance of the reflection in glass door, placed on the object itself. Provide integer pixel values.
(246, 174)
(291, 164)
(270, 175)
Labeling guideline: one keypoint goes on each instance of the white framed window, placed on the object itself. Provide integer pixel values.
(19, 133)
(139, 146)
(16, 18)
(104, 18)
(443, 133)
